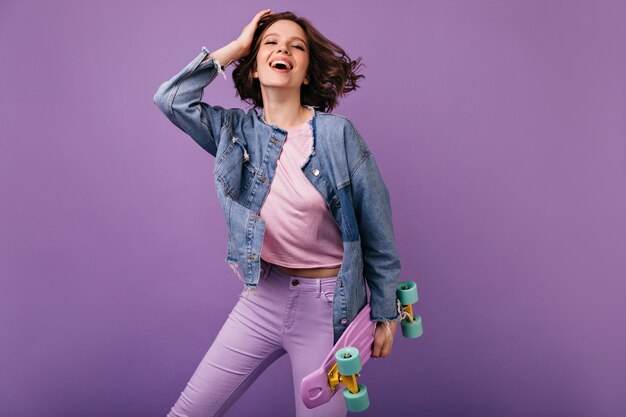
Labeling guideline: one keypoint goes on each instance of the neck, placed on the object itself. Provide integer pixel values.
(283, 109)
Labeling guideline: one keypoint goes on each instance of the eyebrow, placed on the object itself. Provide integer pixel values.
(293, 37)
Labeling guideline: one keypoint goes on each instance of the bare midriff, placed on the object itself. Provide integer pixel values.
(310, 272)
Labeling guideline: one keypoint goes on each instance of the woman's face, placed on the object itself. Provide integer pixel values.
(283, 57)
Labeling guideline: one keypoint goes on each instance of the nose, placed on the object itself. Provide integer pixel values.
(283, 49)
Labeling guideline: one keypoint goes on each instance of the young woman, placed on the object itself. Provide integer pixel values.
(308, 214)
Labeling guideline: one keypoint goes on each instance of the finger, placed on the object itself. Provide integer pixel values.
(387, 343)
(260, 14)
(377, 348)
(386, 349)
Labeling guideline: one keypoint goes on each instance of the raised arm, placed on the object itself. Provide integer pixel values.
(240, 47)
(180, 98)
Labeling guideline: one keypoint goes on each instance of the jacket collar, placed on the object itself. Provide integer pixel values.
(312, 121)
(260, 112)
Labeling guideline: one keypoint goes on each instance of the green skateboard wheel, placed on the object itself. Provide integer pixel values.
(357, 402)
(407, 293)
(412, 329)
(348, 361)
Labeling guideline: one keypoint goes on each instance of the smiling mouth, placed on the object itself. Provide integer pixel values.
(281, 65)
(281, 70)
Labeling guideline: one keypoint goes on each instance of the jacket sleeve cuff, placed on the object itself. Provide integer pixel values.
(395, 316)
(386, 319)
(210, 61)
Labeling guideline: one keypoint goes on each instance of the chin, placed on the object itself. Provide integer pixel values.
(278, 85)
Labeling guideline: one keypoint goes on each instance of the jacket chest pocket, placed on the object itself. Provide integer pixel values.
(233, 168)
(245, 231)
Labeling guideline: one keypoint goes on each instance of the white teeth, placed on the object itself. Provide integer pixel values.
(280, 61)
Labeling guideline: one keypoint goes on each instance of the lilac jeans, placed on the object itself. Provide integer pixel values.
(285, 314)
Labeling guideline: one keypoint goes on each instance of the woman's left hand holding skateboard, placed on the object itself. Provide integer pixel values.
(383, 338)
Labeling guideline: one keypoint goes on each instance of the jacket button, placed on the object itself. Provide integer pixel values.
(344, 321)
(339, 284)
(316, 172)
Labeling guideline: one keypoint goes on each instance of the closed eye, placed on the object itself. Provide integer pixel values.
(295, 46)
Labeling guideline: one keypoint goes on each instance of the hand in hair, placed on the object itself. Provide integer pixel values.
(247, 34)
(241, 46)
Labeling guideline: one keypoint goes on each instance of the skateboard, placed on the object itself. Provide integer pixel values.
(353, 349)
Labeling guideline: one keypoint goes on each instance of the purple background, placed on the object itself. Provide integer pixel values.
(499, 127)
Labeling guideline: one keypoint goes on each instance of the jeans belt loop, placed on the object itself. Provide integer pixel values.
(267, 266)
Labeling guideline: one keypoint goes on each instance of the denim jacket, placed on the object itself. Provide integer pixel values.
(340, 166)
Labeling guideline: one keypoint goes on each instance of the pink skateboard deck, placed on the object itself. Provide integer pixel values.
(315, 389)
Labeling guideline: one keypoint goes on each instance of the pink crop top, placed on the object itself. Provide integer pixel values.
(300, 231)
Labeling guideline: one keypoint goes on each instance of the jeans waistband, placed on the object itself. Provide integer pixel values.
(300, 282)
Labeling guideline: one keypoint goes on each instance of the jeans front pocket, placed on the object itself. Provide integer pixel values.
(328, 295)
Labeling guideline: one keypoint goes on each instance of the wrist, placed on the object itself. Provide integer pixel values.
(239, 51)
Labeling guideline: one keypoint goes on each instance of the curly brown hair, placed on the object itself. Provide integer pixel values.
(331, 72)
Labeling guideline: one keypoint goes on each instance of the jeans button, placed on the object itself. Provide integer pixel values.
(295, 282)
